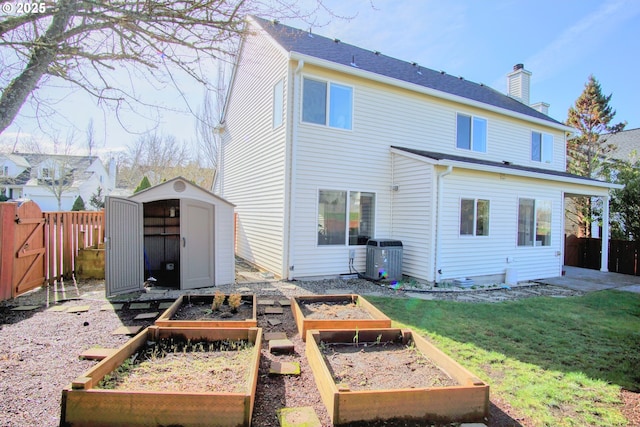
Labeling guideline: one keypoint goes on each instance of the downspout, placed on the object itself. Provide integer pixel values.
(294, 98)
(441, 175)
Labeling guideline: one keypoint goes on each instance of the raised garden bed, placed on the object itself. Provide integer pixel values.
(196, 311)
(180, 401)
(352, 393)
(336, 312)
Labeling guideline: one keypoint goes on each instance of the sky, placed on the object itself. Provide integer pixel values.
(561, 43)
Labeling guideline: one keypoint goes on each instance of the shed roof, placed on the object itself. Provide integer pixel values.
(178, 188)
(304, 42)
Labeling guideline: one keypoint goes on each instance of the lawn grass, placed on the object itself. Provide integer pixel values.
(556, 361)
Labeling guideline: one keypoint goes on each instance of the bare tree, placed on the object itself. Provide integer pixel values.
(91, 137)
(84, 42)
(206, 121)
(153, 155)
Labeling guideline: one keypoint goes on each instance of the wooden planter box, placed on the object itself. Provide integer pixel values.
(166, 321)
(377, 318)
(85, 405)
(468, 402)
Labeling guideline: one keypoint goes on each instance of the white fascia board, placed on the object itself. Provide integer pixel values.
(425, 90)
(507, 171)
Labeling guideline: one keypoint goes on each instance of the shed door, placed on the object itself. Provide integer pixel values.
(124, 246)
(196, 244)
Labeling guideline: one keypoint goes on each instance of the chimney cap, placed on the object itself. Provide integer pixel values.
(518, 67)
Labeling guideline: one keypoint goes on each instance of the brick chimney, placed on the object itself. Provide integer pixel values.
(518, 83)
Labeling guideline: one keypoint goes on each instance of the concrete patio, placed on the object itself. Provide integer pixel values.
(586, 280)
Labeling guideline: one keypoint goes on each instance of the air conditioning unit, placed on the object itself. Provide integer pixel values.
(384, 259)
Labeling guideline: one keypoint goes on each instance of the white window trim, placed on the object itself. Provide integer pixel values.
(472, 116)
(535, 223)
(328, 83)
(348, 191)
(475, 217)
(553, 143)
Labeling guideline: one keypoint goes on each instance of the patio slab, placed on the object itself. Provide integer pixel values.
(586, 280)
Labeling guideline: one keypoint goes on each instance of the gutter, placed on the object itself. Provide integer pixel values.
(437, 270)
(289, 264)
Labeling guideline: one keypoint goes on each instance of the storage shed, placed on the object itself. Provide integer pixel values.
(176, 232)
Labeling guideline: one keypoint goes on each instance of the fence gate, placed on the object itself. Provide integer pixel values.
(23, 249)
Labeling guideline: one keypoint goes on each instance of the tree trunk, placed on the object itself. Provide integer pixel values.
(41, 58)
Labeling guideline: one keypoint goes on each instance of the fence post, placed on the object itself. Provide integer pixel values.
(7, 236)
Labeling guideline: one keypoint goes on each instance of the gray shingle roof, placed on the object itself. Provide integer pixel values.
(626, 142)
(443, 156)
(295, 40)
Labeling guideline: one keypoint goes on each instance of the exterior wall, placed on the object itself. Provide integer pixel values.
(359, 160)
(253, 160)
(469, 256)
(225, 271)
(413, 215)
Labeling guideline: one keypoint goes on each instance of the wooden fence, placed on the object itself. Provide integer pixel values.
(66, 233)
(39, 248)
(624, 256)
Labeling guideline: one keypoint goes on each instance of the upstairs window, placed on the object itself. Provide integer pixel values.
(345, 213)
(326, 103)
(474, 217)
(541, 147)
(471, 133)
(534, 222)
(4, 171)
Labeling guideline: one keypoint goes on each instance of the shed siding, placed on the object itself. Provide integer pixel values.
(254, 154)
(413, 215)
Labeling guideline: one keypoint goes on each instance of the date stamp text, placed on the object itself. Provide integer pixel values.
(23, 7)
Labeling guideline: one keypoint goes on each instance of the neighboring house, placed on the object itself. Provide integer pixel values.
(325, 145)
(34, 176)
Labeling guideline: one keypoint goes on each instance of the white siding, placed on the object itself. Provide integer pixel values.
(413, 215)
(469, 256)
(254, 155)
(223, 245)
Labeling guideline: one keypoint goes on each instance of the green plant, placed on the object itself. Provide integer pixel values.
(218, 300)
(234, 301)
(356, 338)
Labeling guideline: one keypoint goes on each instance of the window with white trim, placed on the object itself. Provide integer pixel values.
(534, 222)
(345, 217)
(474, 217)
(278, 103)
(4, 171)
(541, 147)
(471, 133)
(326, 103)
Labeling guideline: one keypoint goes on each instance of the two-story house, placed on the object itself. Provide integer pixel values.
(326, 145)
(45, 178)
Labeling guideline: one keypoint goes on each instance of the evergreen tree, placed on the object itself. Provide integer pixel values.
(78, 204)
(591, 116)
(97, 200)
(625, 202)
(144, 183)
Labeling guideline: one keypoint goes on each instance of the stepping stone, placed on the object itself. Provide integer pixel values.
(139, 306)
(58, 308)
(127, 330)
(268, 336)
(97, 353)
(266, 302)
(243, 289)
(281, 346)
(25, 308)
(273, 310)
(284, 368)
(78, 309)
(298, 417)
(164, 305)
(290, 287)
(268, 289)
(115, 307)
(145, 316)
(285, 302)
(274, 322)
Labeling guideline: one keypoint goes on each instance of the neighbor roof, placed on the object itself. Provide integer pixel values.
(306, 43)
(626, 142)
